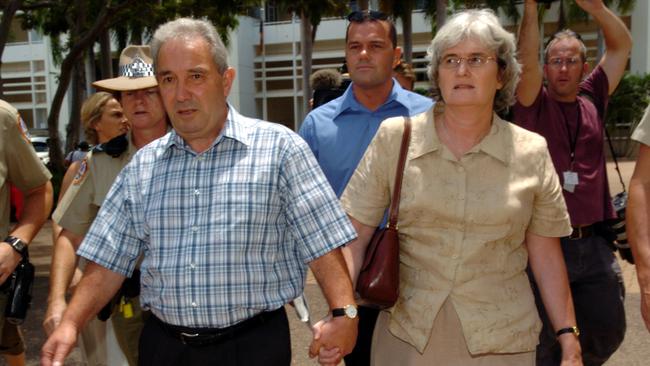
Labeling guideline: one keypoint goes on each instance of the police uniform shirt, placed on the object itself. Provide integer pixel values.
(94, 178)
(19, 164)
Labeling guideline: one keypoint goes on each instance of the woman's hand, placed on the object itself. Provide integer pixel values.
(571, 351)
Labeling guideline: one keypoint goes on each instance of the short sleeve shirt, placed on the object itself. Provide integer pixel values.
(642, 131)
(462, 226)
(19, 164)
(84, 197)
(558, 123)
(225, 233)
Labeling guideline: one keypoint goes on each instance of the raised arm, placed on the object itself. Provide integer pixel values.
(618, 40)
(638, 220)
(547, 263)
(528, 45)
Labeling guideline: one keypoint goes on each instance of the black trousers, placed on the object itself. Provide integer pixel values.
(268, 343)
(360, 355)
(597, 289)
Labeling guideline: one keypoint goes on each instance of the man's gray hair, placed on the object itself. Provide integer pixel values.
(484, 27)
(189, 28)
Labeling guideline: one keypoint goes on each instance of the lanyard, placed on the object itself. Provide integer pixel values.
(572, 141)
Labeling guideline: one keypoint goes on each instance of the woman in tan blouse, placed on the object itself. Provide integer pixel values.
(480, 200)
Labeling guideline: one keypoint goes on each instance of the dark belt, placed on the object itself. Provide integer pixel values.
(581, 232)
(206, 336)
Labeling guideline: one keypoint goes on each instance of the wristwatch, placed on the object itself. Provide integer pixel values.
(16, 243)
(574, 329)
(348, 310)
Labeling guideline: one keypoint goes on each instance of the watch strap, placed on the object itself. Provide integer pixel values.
(17, 244)
(338, 312)
(574, 329)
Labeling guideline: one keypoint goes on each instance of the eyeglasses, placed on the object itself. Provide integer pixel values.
(453, 62)
(360, 16)
(558, 62)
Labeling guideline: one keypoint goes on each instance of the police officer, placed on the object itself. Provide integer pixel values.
(19, 166)
(138, 91)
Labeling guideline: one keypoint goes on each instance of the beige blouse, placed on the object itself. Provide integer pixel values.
(462, 228)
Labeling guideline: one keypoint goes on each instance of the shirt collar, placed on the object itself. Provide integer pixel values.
(234, 128)
(424, 138)
(349, 101)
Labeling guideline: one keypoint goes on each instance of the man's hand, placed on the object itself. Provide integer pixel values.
(53, 315)
(9, 259)
(333, 339)
(590, 5)
(59, 344)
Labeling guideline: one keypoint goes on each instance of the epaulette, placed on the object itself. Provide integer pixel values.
(115, 147)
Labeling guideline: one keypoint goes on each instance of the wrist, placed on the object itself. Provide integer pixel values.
(17, 244)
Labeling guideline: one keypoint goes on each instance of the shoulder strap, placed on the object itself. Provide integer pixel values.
(601, 112)
(399, 173)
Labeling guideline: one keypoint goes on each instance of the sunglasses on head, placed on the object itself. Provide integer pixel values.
(360, 16)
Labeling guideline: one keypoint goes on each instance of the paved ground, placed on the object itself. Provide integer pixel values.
(634, 351)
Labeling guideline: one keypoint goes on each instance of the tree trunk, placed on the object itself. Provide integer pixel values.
(7, 16)
(77, 96)
(407, 31)
(363, 4)
(306, 47)
(106, 62)
(76, 51)
(441, 13)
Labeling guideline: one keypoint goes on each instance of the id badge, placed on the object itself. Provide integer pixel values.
(570, 181)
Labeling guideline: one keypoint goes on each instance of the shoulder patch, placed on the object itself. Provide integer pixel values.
(22, 127)
(81, 172)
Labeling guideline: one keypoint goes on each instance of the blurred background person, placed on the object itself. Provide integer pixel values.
(565, 103)
(77, 154)
(103, 119)
(480, 200)
(404, 75)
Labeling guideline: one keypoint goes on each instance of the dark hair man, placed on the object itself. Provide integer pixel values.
(569, 113)
(339, 132)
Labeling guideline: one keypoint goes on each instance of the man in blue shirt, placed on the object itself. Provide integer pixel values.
(226, 211)
(339, 132)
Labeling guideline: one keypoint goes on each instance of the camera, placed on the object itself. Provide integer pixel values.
(19, 289)
(617, 227)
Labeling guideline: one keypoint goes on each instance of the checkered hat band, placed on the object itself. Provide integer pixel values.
(136, 70)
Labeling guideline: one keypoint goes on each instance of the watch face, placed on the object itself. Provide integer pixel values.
(351, 312)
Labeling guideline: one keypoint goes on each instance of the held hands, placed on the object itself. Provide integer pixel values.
(59, 345)
(334, 337)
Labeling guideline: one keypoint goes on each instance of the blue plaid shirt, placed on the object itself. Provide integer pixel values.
(226, 233)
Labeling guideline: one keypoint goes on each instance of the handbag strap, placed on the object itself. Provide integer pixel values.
(399, 173)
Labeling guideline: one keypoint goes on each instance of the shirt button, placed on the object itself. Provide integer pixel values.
(196, 192)
(459, 169)
(195, 228)
(192, 266)
(194, 304)
(455, 256)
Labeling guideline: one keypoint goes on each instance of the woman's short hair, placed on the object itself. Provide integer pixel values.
(484, 27)
(91, 112)
(188, 28)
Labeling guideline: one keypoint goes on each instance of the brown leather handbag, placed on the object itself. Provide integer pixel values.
(378, 281)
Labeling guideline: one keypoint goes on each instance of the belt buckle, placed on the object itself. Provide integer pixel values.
(187, 336)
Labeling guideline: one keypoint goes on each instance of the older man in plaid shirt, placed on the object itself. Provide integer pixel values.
(227, 210)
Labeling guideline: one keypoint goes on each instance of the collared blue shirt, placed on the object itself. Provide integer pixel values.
(339, 132)
(225, 233)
